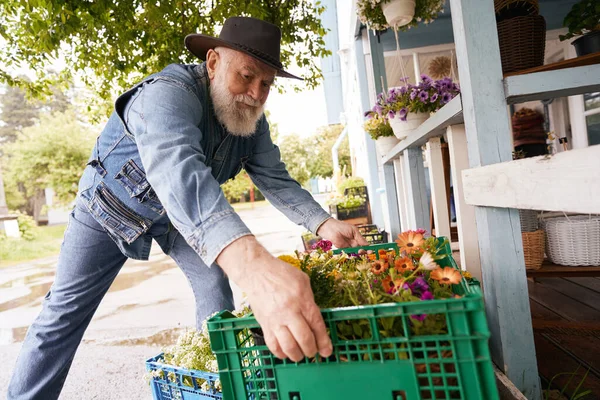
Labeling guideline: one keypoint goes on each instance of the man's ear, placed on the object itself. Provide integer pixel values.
(212, 61)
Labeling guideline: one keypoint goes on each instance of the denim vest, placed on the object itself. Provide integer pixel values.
(115, 189)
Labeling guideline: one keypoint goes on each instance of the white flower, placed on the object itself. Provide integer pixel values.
(427, 262)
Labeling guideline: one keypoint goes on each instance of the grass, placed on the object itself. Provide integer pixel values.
(47, 243)
(248, 205)
(49, 238)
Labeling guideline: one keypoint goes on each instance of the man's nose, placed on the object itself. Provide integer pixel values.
(255, 90)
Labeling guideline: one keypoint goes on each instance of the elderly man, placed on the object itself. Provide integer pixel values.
(154, 174)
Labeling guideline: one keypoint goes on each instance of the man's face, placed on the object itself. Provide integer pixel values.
(240, 87)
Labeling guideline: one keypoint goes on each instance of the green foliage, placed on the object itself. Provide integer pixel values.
(51, 154)
(27, 226)
(122, 41)
(295, 155)
(320, 144)
(350, 182)
(348, 201)
(584, 17)
(234, 189)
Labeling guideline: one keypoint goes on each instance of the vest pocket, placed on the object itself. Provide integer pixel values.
(133, 179)
(116, 217)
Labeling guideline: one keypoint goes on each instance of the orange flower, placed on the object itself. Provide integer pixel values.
(446, 275)
(403, 265)
(379, 266)
(381, 252)
(390, 285)
(409, 241)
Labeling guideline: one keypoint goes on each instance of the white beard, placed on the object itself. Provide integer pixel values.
(238, 121)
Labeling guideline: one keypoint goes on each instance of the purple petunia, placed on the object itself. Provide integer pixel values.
(446, 97)
(391, 114)
(402, 112)
(426, 78)
(419, 317)
(434, 97)
(413, 94)
(378, 109)
(419, 285)
(423, 96)
(427, 296)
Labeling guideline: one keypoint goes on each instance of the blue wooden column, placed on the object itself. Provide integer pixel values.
(501, 249)
(389, 180)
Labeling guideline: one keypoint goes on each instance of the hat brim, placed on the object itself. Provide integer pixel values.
(199, 45)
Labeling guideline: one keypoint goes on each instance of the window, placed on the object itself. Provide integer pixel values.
(592, 117)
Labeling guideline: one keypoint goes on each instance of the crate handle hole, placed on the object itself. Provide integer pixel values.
(398, 395)
(295, 396)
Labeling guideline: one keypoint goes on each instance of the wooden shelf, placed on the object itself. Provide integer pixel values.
(450, 114)
(550, 270)
(562, 81)
(582, 61)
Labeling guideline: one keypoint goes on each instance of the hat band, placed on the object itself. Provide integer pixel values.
(270, 59)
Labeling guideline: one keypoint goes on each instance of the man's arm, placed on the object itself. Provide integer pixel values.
(268, 172)
(164, 119)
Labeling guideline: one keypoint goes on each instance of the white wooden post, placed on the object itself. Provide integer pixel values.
(500, 243)
(392, 199)
(465, 214)
(416, 191)
(398, 171)
(437, 181)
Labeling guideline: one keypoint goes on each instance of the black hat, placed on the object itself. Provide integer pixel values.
(257, 38)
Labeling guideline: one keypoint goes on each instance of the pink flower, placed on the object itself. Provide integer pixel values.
(323, 244)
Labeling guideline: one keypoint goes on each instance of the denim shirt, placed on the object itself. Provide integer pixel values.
(159, 163)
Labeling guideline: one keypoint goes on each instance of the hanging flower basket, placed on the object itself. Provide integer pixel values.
(398, 12)
(385, 144)
(403, 128)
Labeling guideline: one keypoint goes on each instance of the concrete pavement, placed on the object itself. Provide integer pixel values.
(148, 305)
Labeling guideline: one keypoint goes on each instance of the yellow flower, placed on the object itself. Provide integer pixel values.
(467, 275)
(446, 275)
(293, 261)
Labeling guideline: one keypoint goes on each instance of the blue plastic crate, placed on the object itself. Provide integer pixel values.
(166, 389)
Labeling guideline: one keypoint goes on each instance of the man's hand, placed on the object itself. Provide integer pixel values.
(341, 234)
(281, 299)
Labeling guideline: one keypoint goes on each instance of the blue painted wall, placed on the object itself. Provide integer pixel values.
(330, 66)
(440, 31)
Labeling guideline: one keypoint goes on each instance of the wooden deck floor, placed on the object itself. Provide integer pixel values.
(566, 323)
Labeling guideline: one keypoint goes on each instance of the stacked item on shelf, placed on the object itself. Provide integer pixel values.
(521, 34)
(533, 239)
(529, 135)
(573, 240)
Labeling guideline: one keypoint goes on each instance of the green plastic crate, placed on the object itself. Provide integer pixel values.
(456, 365)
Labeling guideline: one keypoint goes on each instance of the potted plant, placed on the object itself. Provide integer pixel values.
(409, 106)
(584, 20)
(398, 14)
(378, 126)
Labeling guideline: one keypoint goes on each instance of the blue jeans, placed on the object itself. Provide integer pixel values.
(88, 263)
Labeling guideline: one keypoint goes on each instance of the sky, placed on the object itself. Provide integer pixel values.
(302, 113)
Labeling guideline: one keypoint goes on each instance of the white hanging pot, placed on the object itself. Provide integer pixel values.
(385, 144)
(398, 12)
(403, 128)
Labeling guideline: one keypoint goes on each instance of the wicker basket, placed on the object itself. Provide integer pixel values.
(522, 42)
(533, 249)
(506, 9)
(529, 220)
(573, 241)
